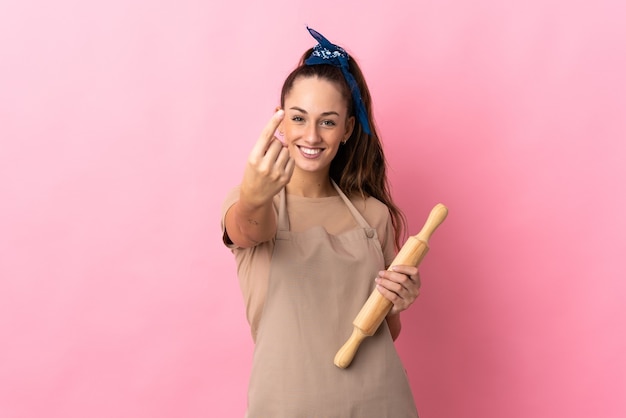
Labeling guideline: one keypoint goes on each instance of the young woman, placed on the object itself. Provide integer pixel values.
(313, 227)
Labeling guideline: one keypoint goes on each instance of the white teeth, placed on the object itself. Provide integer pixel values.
(311, 151)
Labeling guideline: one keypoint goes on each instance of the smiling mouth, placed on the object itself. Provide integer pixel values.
(310, 152)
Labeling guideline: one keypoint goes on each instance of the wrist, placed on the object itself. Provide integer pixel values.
(251, 202)
(394, 324)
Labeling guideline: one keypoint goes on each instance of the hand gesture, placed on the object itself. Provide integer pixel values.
(269, 166)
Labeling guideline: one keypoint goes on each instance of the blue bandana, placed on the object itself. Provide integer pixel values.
(326, 53)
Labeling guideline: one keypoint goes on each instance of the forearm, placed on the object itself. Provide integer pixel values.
(394, 324)
(248, 225)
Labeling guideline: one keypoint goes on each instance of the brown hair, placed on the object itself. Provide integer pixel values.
(359, 166)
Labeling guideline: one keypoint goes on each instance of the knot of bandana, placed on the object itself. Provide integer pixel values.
(327, 53)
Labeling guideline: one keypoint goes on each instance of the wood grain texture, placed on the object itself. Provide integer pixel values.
(377, 306)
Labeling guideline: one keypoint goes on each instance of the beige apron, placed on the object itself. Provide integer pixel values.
(318, 283)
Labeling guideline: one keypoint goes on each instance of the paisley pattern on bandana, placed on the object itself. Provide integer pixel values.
(326, 52)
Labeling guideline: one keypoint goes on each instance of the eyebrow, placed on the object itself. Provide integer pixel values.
(332, 112)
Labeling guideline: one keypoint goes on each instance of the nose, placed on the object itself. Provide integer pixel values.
(311, 135)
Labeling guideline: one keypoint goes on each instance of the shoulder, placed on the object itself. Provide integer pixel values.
(377, 215)
(373, 210)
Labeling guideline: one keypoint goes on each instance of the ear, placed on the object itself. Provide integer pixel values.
(349, 128)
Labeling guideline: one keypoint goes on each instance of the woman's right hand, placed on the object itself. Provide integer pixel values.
(269, 166)
(252, 220)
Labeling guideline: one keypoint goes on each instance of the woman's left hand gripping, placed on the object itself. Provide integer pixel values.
(401, 285)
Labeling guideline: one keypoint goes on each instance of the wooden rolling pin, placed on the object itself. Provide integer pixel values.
(377, 306)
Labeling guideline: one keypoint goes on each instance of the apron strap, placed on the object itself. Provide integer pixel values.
(283, 216)
(355, 213)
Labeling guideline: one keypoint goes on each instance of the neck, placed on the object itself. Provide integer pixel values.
(308, 184)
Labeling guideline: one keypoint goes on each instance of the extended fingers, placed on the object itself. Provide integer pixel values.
(284, 164)
(282, 154)
(275, 151)
(267, 135)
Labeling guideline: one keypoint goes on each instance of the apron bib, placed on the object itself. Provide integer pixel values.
(318, 283)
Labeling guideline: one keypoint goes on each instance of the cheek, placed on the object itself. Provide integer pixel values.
(288, 141)
(291, 132)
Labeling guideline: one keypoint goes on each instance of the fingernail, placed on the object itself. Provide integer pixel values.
(280, 113)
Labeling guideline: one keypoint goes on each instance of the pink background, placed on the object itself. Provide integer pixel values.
(124, 123)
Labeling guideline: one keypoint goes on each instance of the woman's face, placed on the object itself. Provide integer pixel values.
(316, 122)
